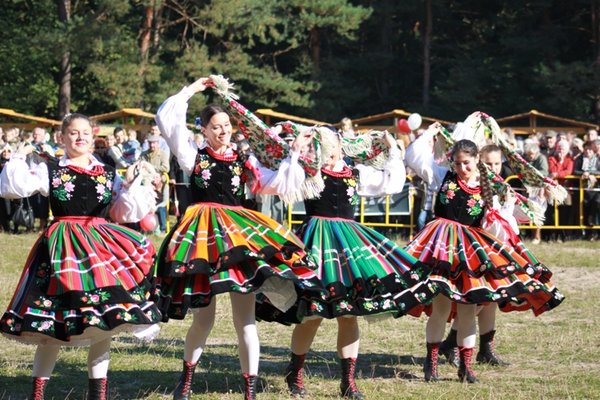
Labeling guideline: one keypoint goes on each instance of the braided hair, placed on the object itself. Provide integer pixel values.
(470, 148)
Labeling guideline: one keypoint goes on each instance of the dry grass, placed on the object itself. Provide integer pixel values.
(554, 356)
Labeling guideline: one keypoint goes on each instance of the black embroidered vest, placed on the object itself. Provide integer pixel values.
(217, 181)
(338, 199)
(457, 205)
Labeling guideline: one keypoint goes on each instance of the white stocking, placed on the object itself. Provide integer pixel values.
(487, 318)
(348, 338)
(466, 329)
(98, 359)
(436, 324)
(44, 361)
(244, 322)
(202, 324)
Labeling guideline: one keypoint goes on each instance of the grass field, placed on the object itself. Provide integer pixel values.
(554, 356)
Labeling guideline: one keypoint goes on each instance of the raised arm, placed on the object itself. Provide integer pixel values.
(171, 117)
(420, 158)
(389, 180)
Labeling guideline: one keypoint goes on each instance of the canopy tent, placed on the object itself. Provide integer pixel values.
(535, 123)
(8, 115)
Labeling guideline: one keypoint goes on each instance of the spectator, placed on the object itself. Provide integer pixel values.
(39, 203)
(5, 204)
(11, 136)
(116, 151)
(346, 128)
(132, 148)
(163, 145)
(588, 166)
(155, 156)
(591, 135)
(162, 196)
(549, 145)
(532, 153)
(180, 182)
(560, 165)
(198, 139)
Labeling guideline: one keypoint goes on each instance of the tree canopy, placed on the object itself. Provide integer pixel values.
(322, 59)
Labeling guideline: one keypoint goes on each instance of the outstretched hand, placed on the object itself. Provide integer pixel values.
(303, 140)
(200, 85)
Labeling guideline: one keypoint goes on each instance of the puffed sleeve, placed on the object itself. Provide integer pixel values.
(131, 204)
(390, 180)
(288, 178)
(420, 158)
(171, 117)
(19, 180)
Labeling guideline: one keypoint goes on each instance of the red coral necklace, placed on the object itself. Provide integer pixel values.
(463, 185)
(221, 157)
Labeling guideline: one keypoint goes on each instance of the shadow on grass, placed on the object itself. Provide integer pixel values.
(218, 371)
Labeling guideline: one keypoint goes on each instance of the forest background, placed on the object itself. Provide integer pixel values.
(321, 59)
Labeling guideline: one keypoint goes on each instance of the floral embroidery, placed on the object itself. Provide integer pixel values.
(202, 171)
(43, 326)
(63, 184)
(236, 170)
(351, 191)
(96, 297)
(103, 187)
(474, 203)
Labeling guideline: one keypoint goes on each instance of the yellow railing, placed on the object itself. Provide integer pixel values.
(388, 218)
(369, 208)
(572, 190)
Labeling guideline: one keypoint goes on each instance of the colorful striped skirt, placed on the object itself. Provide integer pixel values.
(217, 249)
(363, 272)
(472, 266)
(84, 280)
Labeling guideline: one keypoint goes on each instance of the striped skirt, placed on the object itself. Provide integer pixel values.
(217, 249)
(363, 272)
(84, 280)
(472, 266)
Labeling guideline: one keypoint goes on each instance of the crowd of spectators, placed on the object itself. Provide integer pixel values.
(554, 154)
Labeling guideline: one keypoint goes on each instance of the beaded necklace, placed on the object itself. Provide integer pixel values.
(463, 185)
(221, 157)
(346, 172)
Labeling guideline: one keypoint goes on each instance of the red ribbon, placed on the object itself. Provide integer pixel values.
(494, 215)
(255, 174)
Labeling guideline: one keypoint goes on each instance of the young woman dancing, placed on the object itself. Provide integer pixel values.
(470, 265)
(86, 278)
(221, 247)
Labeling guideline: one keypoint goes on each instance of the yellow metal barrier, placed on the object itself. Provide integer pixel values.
(364, 212)
(580, 190)
(411, 225)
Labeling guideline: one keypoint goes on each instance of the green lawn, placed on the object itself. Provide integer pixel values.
(554, 356)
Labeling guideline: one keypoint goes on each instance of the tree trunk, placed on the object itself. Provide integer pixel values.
(426, 54)
(145, 34)
(64, 77)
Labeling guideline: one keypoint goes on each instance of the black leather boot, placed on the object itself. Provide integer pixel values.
(431, 363)
(294, 375)
(449, 348)
(39, 386)
(183, 390)
(348, 385)
(250, 386)
(465, 373)
(487, 354)
(97, 389)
